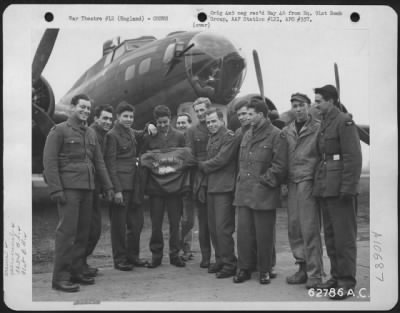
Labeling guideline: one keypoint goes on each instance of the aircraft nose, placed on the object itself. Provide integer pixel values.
(215, 67)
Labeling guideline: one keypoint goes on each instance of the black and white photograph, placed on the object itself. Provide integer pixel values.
(200, 157)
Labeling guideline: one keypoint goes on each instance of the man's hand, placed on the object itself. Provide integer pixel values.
(58, 197)
(284, 190)
(110, 194)
(152, 130)
(118, 198)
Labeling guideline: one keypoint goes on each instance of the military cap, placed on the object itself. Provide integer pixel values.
(300, 97)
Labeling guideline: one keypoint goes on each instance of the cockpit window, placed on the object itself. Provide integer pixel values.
(108, 58)
(144, 66)
(119, 51)
(130, 72)
(169, 53)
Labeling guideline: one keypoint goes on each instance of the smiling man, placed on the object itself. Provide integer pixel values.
(220, 167)
(197, 139)
(304, 225)
(183, 122)
(120, 152)
(243, 117)
(161, 201)
(262, 162)
(336, 188)
(103, 119)
(72, 156)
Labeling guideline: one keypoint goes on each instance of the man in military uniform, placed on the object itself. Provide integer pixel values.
(336, 187)
(183, 123)
(197, 139)
(244, 120)
(304, 224)
(243, 117)
(160, 201)
(220, 168)
(120, 152)
(262, 162)
(103, 119)
(72, 156)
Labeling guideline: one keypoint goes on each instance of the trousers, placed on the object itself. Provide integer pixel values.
(304, 227)
(126, 227)
(95, 225)
(255, 236)
(221, 223)
(72, 233)
(187, 223)
(340, 231)
(204, 232)
(158, 205)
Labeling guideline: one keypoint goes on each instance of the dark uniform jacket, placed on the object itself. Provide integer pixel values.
(262, 166)
(221, 163)
(340, 151)
(100, 132)
(241, 130)
(120, 151)
(302, 150)
(72, 156)
(173, 139)
(197, 139)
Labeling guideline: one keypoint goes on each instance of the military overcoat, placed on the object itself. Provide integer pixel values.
(262, 167)
(340, 151)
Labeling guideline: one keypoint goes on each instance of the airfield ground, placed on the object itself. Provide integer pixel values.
(180, 285)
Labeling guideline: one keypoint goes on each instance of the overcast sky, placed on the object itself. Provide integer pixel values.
(291, 61)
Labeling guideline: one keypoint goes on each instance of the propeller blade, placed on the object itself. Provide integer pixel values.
(258, 73)
(364, 135)
(337, 81)
(43, 52)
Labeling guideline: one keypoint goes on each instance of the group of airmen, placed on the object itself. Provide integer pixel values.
(318, 159)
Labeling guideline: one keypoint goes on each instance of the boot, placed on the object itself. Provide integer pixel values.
(300, 277)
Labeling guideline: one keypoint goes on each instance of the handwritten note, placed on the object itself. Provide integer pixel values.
(14, 250)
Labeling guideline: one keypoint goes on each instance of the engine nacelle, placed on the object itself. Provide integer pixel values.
(42, 112)
(43, 96)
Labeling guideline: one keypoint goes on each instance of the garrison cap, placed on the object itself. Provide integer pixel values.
(300, 97)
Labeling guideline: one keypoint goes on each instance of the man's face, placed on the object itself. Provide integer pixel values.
(200, 110)
(255, 117)
(300, 110)
(243, 116)
(104, 120)
(162, 123)
(213, 122)
(82, 109)
(321, 104)
(182, 123)
(125, 118)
